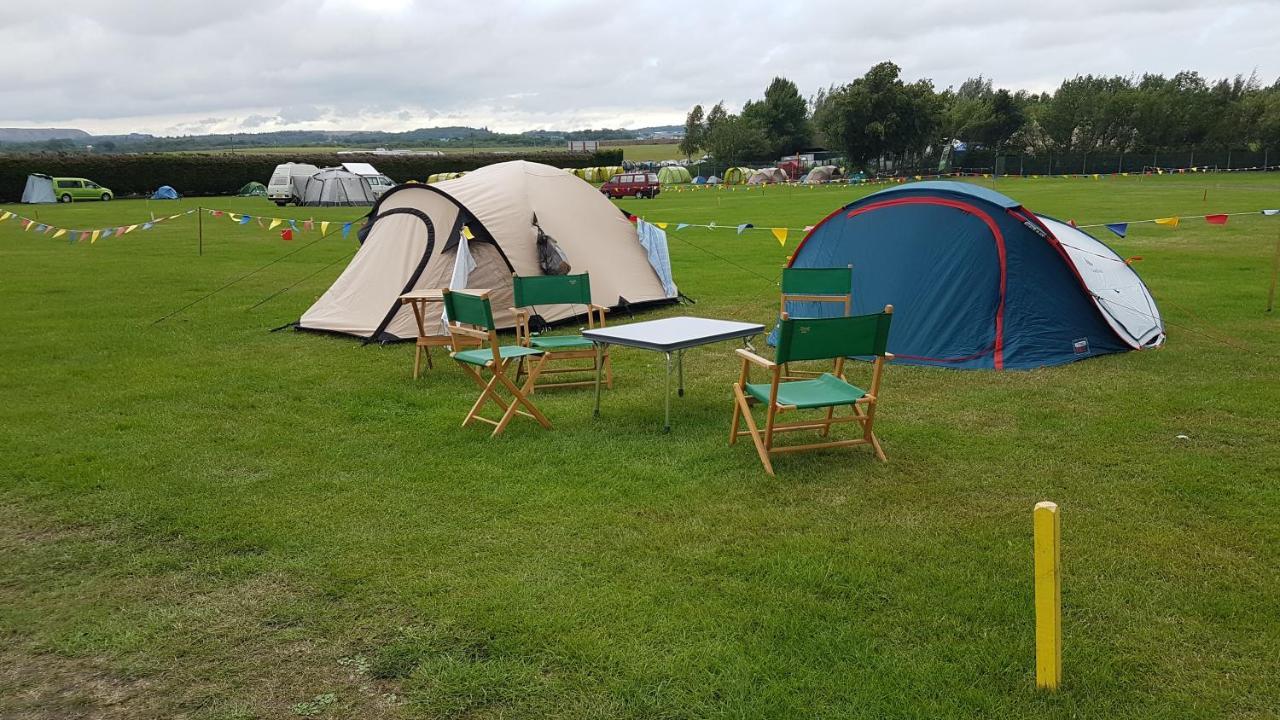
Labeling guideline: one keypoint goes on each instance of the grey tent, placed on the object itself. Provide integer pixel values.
(337, 186)
(416, 241)
(39, 189)
(821, 174)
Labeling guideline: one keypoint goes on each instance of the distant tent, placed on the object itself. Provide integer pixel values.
(165, 192)
(736, 175)
(39, 189)
(713, 180)
(820, 174)
(337, 186)
(674, 175)
(767, 175)
(699, 180)
(438, 177)
(253, 189)
(416, 241)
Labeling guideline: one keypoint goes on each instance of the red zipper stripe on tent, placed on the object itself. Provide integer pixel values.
(998, 359)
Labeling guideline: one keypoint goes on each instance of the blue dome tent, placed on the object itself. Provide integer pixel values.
(165, 193)
(979, 282)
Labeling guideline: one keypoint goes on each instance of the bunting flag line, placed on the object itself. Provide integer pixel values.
(75, 235)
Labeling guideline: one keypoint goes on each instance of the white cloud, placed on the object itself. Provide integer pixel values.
(236, 65)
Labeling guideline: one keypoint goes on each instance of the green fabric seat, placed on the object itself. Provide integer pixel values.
(485, 355)
(826, 390)
(560, 342)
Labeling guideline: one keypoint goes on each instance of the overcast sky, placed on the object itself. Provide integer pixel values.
(178, 67)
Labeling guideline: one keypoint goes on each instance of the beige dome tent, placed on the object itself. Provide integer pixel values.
(767, 175)
(820, 174)
(416, 241)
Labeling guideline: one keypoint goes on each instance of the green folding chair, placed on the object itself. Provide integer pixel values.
(471, 317)
(546, 290)
(814, 339)
(820, 285)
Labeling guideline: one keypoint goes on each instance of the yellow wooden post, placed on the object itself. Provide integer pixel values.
(1048, 571)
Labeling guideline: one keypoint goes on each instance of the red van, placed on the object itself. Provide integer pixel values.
(632, 184)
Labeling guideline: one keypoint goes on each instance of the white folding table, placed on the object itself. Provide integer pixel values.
(668, 336)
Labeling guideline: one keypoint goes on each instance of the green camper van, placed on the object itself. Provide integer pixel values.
(68, 189)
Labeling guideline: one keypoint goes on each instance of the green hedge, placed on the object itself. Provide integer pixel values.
(224, 174)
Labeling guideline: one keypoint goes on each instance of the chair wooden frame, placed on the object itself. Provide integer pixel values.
(785, 297)
(464, 333)
(525, 338)
(418, 301)
(862, 411)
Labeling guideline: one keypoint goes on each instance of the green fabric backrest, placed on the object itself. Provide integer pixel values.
(827, 338)
(817, 281)
(552, 290)
(469, 309)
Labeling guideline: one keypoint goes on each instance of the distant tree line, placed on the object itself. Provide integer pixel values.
(440, 137)
(880, 117)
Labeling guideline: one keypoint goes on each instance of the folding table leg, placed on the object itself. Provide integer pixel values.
(599, 369)
(666, 427)
(680, 368)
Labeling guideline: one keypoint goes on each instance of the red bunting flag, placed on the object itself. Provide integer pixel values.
(286, 234)
(217, 213)
(1216, 219)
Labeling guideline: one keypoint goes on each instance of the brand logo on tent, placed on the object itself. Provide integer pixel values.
(1081, 346)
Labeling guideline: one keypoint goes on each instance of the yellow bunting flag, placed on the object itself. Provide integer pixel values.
(131, 228)
(780, 234)
(5, 215)
(1170, 221)
(275, 222)
(324, 227)
(60, 233)
(94, 238)
(662, 226)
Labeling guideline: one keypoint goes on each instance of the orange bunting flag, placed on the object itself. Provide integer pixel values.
(1216, 219)
(780, 234)
(1170, 221)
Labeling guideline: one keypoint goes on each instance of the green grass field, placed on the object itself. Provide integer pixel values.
(655, 151)
(203, 519)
